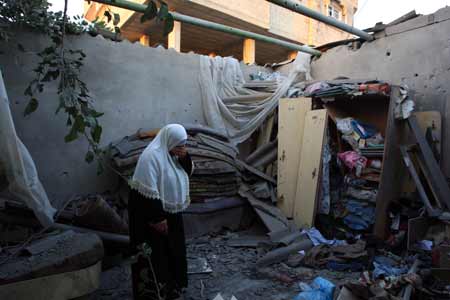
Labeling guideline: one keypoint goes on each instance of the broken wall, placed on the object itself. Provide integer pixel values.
(415, 53)
(135, 86)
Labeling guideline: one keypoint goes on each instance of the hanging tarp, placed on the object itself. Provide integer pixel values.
(20, 170)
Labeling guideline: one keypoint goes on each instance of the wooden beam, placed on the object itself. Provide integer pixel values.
(249, 51)
(174, 38)
(144, 40)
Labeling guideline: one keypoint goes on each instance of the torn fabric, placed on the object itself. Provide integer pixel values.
(20, 170)
(222, 78)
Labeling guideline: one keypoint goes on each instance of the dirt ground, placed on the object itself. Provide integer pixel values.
(233, 274)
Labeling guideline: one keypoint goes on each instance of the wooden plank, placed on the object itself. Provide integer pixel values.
(393, 172)
(420, 188)
(439, 184)
(431, 119)
(426, 119)
(291, 122)
(310, 165)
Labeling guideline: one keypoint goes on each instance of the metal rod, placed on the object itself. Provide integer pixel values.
(214, 26)
(297, 7)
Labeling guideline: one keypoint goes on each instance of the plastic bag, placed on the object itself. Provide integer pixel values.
(321, 289)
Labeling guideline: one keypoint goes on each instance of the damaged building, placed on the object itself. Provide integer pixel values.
(324, 176)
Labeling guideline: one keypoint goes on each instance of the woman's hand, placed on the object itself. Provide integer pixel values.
(160, 227)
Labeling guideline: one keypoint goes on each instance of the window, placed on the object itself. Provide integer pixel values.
(334, 11)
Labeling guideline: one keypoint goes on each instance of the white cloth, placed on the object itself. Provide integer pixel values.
(19, 167)
(222, 78)
(159, 175)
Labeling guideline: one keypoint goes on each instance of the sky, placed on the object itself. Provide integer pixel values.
(74, 7)
(369, 11)
(372, 11)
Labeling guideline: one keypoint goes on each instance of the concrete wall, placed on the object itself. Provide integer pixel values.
(415, 53)
(135, 86)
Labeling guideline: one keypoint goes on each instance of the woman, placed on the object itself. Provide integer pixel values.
(159, 193)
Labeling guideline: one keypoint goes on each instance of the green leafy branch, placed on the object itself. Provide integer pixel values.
(161, 15)
(57, 63)
(145, 251)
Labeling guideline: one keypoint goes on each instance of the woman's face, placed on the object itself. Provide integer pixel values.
(179, 151)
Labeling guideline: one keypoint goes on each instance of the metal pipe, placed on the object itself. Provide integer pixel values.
(297, 7)
(214, 26)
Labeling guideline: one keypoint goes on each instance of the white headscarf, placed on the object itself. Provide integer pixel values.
(159, 175)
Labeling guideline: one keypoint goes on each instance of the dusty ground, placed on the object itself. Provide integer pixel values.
(233, 274)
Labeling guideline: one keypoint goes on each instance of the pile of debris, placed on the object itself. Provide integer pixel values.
(216, 173)
(359, 154)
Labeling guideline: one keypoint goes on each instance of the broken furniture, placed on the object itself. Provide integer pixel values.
(421, 154)
(370, 150)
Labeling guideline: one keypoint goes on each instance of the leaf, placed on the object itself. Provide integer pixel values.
(163, 11)
(31, 106)
(54, 74)
(117, 30)
(99, 168)
(96, 133)
(73, 135)
(79, 124)
(168, 24)
(96, 114)
(47, 77)
(150, 12)
(107, 14)
(90, 121)
(21, 48)
(89, 156)
(49, 50)
(116, 19)
(28, 91)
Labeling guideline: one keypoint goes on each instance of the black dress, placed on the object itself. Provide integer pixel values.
(168, 256)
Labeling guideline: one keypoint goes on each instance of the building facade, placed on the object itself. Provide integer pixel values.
(258, 16)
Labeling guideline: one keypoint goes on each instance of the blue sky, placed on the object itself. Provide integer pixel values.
(369, 12)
